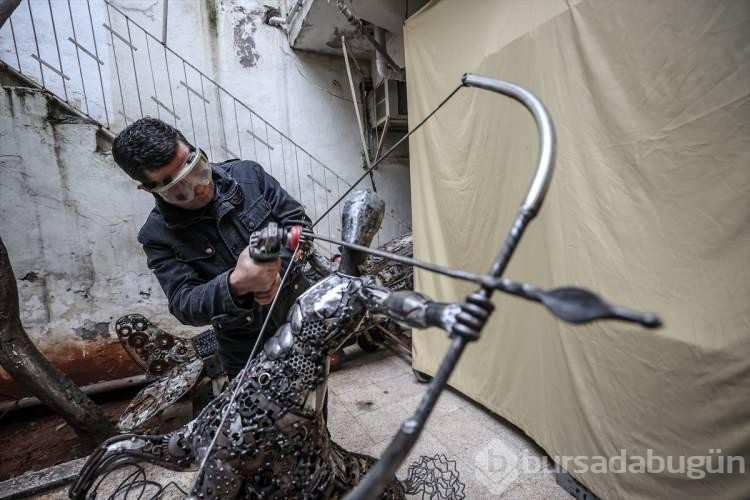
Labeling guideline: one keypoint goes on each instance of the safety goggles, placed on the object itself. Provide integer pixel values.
(196, 171)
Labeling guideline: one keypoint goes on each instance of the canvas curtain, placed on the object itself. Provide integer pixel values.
(649, 206)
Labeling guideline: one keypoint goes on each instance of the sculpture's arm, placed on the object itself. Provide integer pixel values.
(409, 308)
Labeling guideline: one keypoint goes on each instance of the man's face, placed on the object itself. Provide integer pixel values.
(202, 193)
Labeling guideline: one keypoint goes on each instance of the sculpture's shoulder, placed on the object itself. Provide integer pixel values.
(324, 299)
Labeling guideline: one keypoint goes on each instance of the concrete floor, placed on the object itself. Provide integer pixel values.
(369, 398)
(372, 394)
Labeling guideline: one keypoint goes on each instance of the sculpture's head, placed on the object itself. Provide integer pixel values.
(360, 220)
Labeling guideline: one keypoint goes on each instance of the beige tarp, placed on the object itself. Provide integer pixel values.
(650, 206)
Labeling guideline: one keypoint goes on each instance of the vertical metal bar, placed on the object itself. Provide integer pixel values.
(164, 23)
(117, 66)
(312, 183)
(205, 113)
(299, 180)
(355, 100)
(57, 46)
(98, 66)
(325, 187)
(221, 121)
(252, 129)
(15, 45)
(36, 41)
(284, 184)
(268, 147)
(153, 78)
(338, 195)
(190, 105)
(135, 69)
(236, 122)
(169, 81)
(283, 164)
(78, 56)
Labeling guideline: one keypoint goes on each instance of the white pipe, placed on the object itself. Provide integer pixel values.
(97, 388)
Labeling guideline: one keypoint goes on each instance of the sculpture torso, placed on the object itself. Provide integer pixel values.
(274, 443)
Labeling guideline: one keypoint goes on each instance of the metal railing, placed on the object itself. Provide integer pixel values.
(101, 62)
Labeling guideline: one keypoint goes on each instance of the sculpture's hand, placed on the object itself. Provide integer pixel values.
(473, 315)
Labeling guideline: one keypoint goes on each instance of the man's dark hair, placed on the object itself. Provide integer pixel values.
(145, 145)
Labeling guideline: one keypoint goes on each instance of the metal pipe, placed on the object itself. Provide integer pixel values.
(360, 123)
(97, 388)
(117, 66)
(293, 11)
(98, 65)
(222, 124)
(190, 105)
(153, 77)
(380, 62)
(164, 18)
(205, 115)
(36, 42)
(57, 46)
(547, 141)
(355, 100)
(357, 22)
(78, 56)
(237, 124)
(269, 148)
(135, 67)
(15, 45)
(312, 184)
(169, 81)
(255, 136)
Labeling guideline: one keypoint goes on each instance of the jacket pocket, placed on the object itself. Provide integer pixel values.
(256, 215)
(197, 250)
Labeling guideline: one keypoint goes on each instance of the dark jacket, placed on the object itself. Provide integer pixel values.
(192, 254)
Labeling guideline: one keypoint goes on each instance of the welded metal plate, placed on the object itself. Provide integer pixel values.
(153, 399)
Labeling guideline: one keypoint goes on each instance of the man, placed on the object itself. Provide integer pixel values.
(196, 236)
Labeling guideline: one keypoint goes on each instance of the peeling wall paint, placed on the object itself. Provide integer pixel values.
(245, 26)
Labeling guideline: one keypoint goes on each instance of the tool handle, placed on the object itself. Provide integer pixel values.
(266, 244)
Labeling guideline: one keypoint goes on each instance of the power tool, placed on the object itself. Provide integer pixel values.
(266, 244)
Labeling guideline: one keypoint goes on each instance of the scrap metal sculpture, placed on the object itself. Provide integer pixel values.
(265, 436)
(174, 364)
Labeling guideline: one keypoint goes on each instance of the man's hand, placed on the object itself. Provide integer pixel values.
(267, 297)
(259, 278)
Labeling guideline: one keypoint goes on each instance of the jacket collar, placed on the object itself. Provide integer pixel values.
(227, 195)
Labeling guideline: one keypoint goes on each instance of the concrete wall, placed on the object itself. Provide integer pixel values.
(69, 220)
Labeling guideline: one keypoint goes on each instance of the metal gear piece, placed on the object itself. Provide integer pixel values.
(138, 340)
